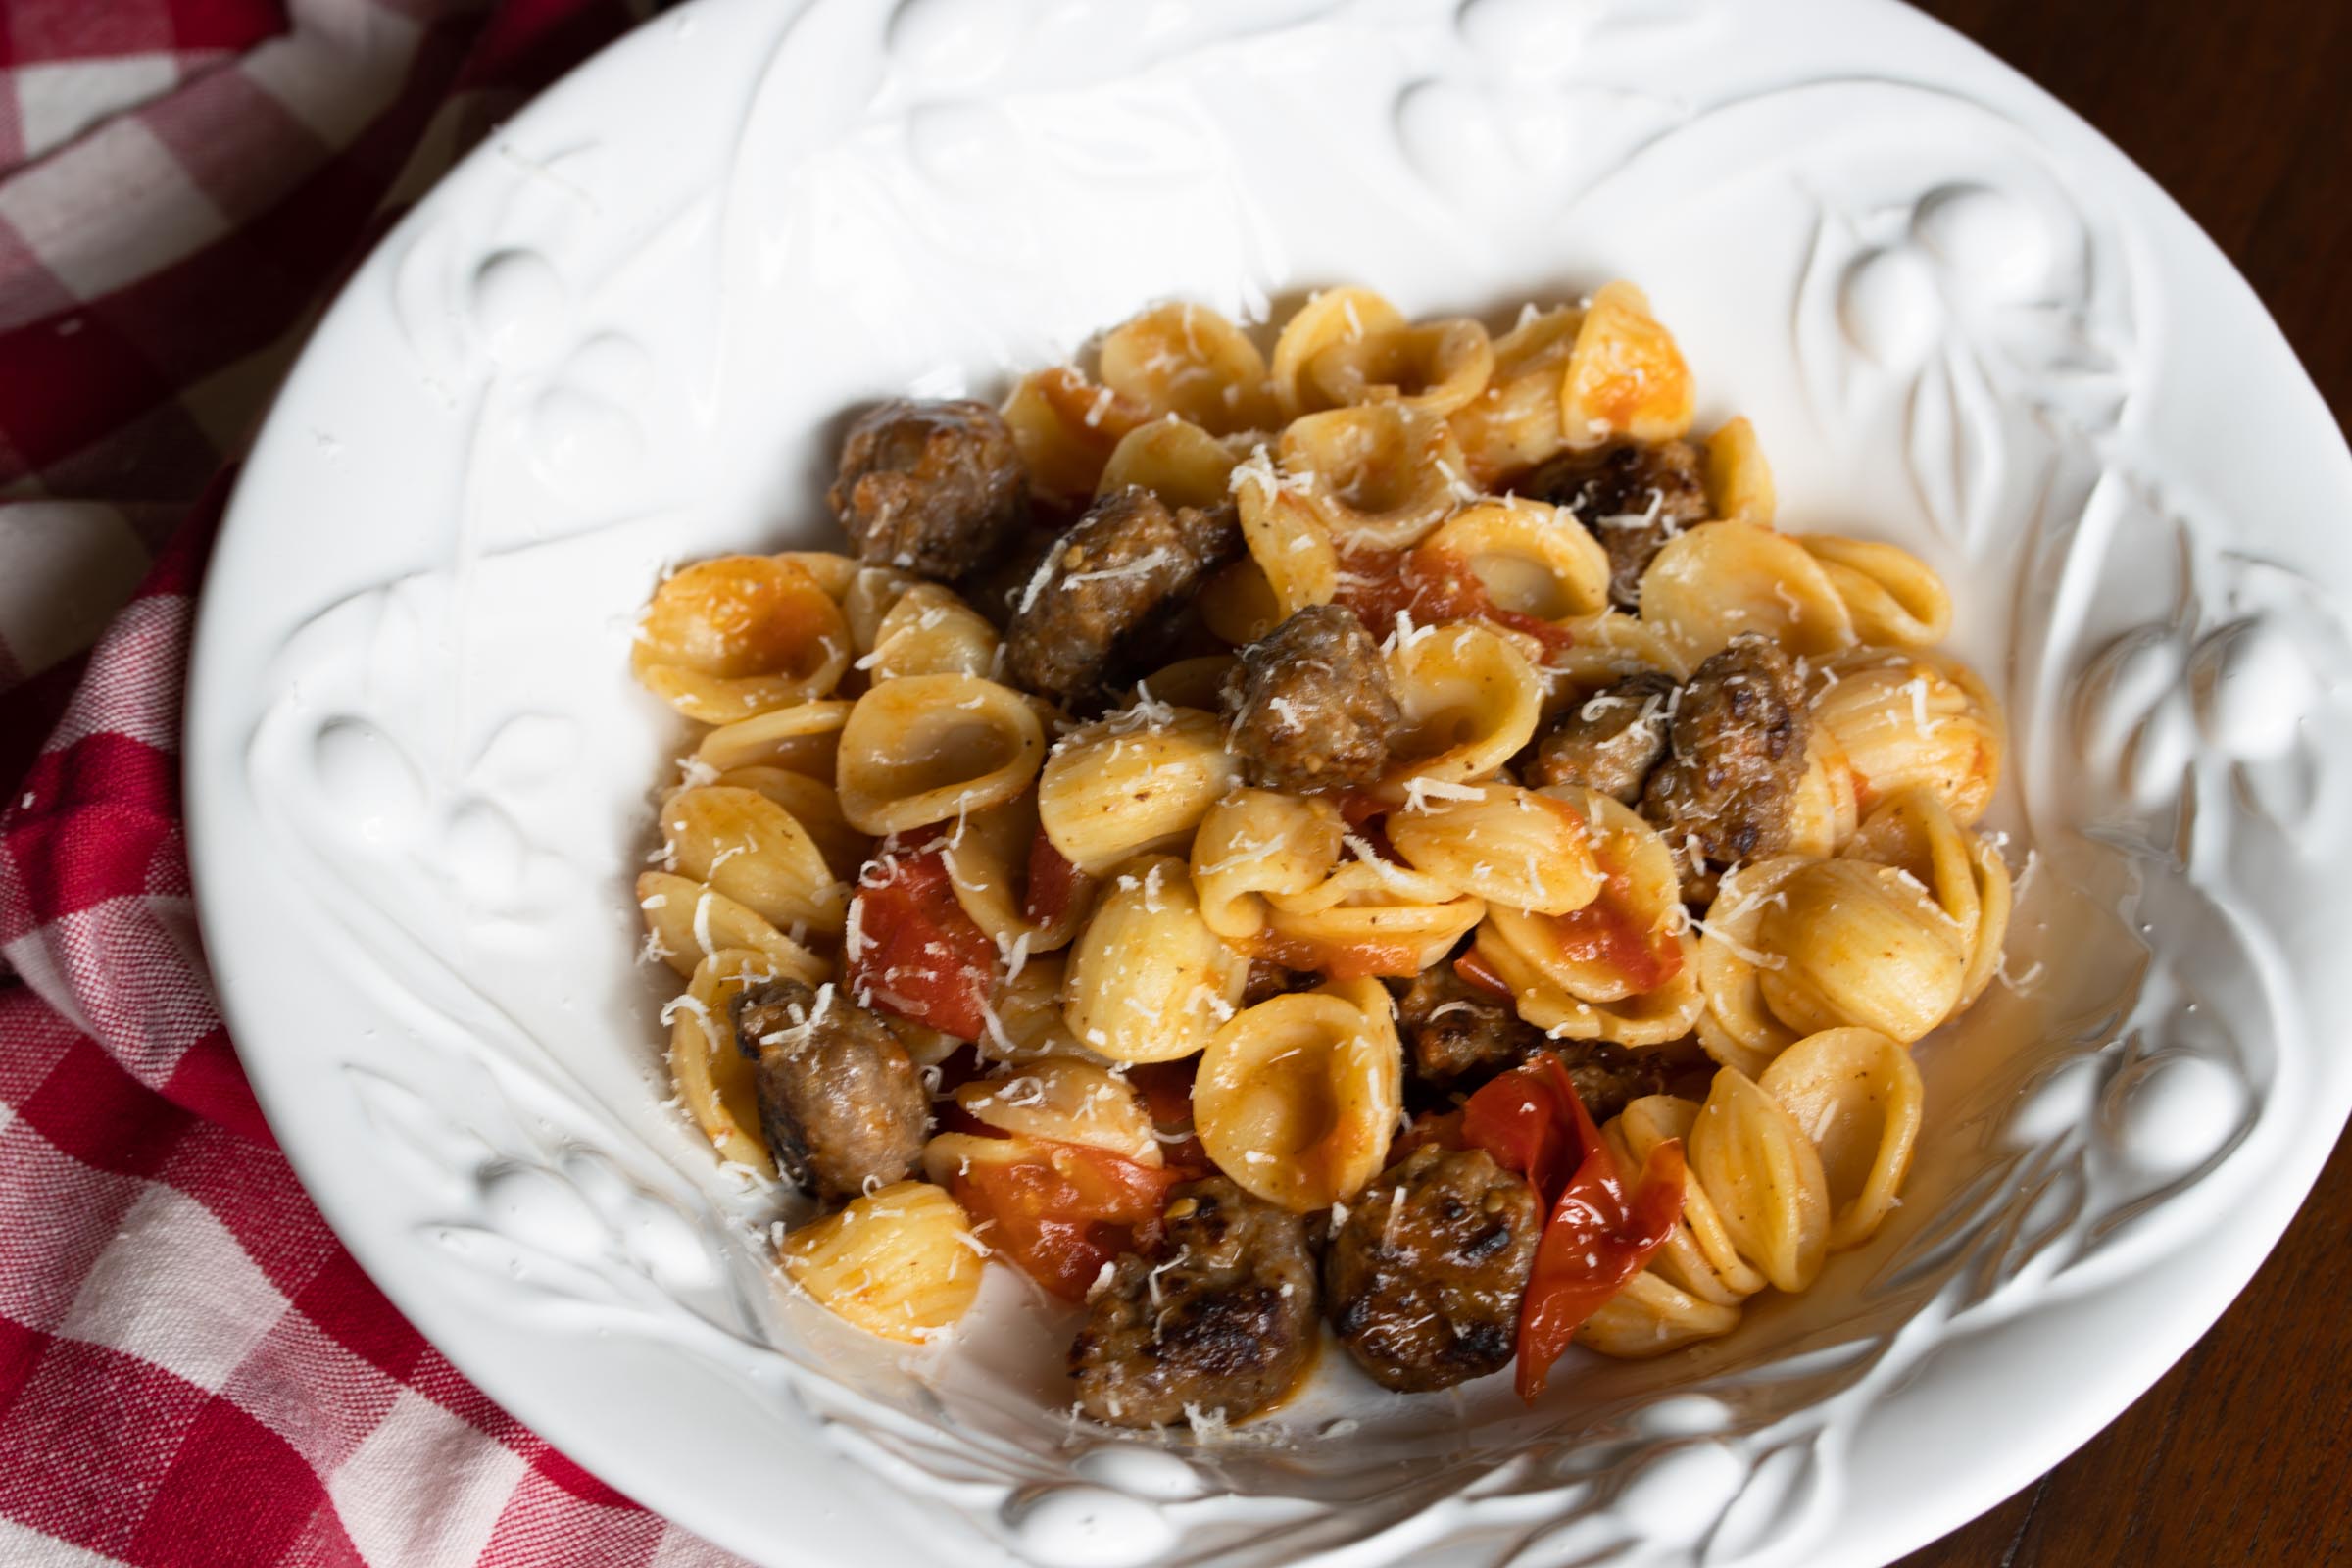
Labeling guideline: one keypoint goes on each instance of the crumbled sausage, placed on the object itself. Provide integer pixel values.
(1610, 741)
(1115, 578)
(932, 488)
(1459, 1034)
(1310, 703)
(1725, 793)
(1424, 1276)
(1220, 1316)
(840, 1104)
(1633, 497)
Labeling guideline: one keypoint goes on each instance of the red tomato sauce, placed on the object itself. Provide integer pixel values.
(1607, 931)
(1431, 586)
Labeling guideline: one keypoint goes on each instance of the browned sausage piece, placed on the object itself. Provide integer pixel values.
(1108, 586)
(1610, 1077)
(1268, 979)
(1458, 1034)
(1633, 497)
(1726, 790)
(1424, 1276)
(1610, 741)
(1310, 703)
(932, 488)
(1220, 1316)
(840, 1104)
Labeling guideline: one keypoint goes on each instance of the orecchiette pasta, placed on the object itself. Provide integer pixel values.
(1378, 476)
(1910, 719)
(1514, 424)
(1178, 462)
(1740, 487)
(901, 1263)
(1435, 368)
(1891, 596)
(804, 739)
(741, 843)
(929, 631)
(1857, 1096)
(1139, 780)
(869, 596)
(1147, 979)
(1289, 544)
(991, 858)
(1331, 318)
(925, 749)
(1625, 376)
(1720, 579)
(1143, 932)
(1367, 916)
(743, 635)
(1470, 701)
(811, 803)
(1297, 1097)
(1531, 558)
(1514, 847)
(1618, 967)
(1066, 1098)
(715, 1081)
(686, 922)
(1784, 1169)
(1188, 361)
(1067, 428)
(1255, 843)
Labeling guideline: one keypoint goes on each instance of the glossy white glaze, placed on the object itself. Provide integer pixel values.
(624, 334)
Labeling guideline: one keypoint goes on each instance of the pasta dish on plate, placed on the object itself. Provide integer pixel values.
(1383, 833)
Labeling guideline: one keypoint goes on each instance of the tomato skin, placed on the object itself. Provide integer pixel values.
(919, 954)
(1480, 975)
(1596, 1236)
(1054, 882)
(1068, 1211)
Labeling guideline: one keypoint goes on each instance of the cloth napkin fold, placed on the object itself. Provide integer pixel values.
(192, 1370)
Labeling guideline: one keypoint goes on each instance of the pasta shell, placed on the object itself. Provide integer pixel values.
(901, 1263)
(1147, 979)
(1334, 317)
(1065, 1098)
(1858, 1096)
(713, 1079)
(1711, 583)
(927, 748)
(1139, 781)
(1297, 1099)
(726, 639)
(1188, 361)
(1764, 1178)
(688, 922)
(744, 845)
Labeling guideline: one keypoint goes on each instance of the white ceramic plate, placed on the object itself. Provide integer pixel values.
(623, 334)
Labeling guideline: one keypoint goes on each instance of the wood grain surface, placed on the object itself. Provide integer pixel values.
(2242, 1454)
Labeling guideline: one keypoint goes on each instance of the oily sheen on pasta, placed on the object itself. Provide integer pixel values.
(1228, 808)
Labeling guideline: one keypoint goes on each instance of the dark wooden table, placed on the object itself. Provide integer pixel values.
(2242, 1454)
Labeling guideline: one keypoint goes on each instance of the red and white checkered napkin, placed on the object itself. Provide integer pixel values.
(192, 1371)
